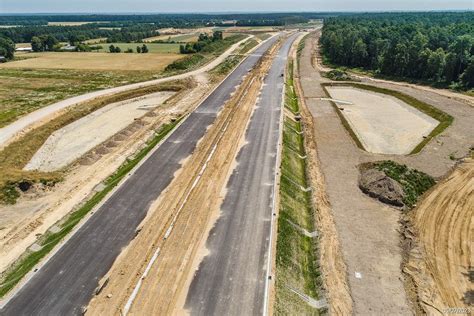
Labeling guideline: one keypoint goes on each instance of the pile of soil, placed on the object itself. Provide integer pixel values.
(376, 184)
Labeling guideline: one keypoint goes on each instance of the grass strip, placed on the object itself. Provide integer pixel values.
(444, 119)
(48, 241)
(297, 266)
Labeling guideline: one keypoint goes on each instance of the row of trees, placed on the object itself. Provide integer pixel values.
(140, 49)
(437, 47)
(77, 34)
(203, 41)
(44, 43)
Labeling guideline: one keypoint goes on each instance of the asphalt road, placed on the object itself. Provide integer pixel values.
(231, 279)
(67, 281)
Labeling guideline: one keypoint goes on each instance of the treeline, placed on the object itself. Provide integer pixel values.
(133, 34)
(168, 20)
(436, 47)
(61, 33)
(75, 34)
(204, 40)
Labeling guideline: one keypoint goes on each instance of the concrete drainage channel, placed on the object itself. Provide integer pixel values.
(298, 280)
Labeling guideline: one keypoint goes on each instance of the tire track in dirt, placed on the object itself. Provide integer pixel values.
(441, 261)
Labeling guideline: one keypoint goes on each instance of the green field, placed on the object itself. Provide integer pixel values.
(25, 90)
(162, 48)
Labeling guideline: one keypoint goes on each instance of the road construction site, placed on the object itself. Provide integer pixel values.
(363, 237)
(197, 138)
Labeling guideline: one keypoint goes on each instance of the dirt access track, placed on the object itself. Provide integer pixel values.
(368, 230)
(38, 117)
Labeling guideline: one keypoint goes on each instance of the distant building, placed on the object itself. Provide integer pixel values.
(3, 59)
(24, 49)
(68, 48)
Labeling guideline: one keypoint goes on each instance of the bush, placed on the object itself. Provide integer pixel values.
(185, 63)
(414, 182)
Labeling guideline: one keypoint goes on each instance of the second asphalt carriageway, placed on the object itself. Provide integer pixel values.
(231, 280)
(68, 279)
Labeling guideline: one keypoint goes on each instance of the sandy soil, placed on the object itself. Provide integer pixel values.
(169, 277)
(441, 262)
(383, 124)
(35, 213)
(38, 117)
(74, 140)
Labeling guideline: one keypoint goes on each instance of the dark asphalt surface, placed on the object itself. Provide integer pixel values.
(231, 279)
(67, 281)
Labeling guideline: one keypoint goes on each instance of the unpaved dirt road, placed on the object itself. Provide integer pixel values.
(367, 230)
(444, 223)
(29, 121)
(90, 252)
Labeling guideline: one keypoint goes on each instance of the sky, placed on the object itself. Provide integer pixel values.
(165, 6)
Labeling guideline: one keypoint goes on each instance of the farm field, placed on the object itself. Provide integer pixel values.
(95, 61)
(382, 123)
(25, 90)
(160, 48)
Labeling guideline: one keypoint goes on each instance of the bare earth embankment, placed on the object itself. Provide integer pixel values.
(442, 260)
(74, 140)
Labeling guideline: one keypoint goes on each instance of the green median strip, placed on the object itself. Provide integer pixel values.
(297, 264)
(47, 242)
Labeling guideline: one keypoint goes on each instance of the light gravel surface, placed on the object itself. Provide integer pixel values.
(74, 140)
(383, 124)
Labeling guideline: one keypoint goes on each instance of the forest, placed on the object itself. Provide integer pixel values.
(431, 47)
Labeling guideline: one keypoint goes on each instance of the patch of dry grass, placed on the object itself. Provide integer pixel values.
(25, 90)
(95, 61)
